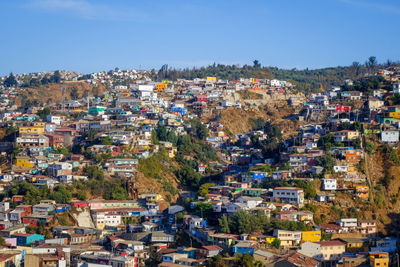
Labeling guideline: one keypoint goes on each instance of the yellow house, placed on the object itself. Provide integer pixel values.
(31, 130)
(351, 168)
(172, 151)
(211, 79)
(153, 197)
(24, 162)
(39, 124)
(379, 259)
(161, 86)
(310, 236)
(332, 250)
(356, 244)
(395, 115)
(269, 239)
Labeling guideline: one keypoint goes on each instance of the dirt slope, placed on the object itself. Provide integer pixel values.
(51, 93)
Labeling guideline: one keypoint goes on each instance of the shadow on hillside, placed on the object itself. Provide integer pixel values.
(393, 228)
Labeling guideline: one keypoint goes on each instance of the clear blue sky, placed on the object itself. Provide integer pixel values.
(94, 35)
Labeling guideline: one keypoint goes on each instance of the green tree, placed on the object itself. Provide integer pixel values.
(328, 162)
(115, 192)
(203, 190)
(10, 81)
(188, 176)
(224, 224)
(107, 141)
(396, 99)
(74, 93)
(61, 195)
(276, 243)
(56, 77)
(154, 139)
(43, 113)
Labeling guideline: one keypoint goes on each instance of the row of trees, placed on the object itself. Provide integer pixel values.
(33, 195)
(305, 80)
(243, 222)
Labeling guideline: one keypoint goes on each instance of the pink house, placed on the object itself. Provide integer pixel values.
(367, 226)
(80, 204)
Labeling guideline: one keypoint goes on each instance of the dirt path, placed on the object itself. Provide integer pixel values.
(83, 218)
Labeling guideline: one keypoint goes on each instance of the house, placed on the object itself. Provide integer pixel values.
(295, 216)
(43, 208)
(289, 195)
(250, 202)
(288, 238)
(351, 95)
(24, 162)
(32, 140)
(367, 226)
(104, 217)
(346, 135)
(35, 218)
(340, 168)
(347, 224)
(234, 207)
(353, 155)
(325, 251)
(201, 168)
(59, 168)
(356, 244)
(56, 140)
(294, 260)
(53, 119)
(362, 191)
(387, 244)
(173, 257)
(329, 184)
(396, 88)
(209, 251)
(245, 247)
(379, 259)
(310, 236)
(375, 103)
(390, 136)
(26, 239)
(195, 222)
(325, 197)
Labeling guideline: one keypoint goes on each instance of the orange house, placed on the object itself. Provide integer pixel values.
(353, 156)
(362, 191)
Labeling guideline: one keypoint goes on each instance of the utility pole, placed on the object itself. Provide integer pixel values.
(63, 97)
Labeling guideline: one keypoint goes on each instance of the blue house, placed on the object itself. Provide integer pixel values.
(244, 247)
(27, 239)
(191, 252)
(259, 177)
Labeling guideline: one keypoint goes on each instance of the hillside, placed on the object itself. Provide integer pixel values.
(51, 93)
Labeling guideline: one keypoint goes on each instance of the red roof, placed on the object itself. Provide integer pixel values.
(212, 247)
(287, 188)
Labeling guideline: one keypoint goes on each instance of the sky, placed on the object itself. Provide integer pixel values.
(94, 35)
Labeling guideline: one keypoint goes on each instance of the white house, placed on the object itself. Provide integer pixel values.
(250, 202)
(339, 168)
(288, 238)
(275, 83)
(329, 184)
(54, 119)
(195, 223)
(390, 136)
(234, 207)
(347, 223)
(396, 88)
(289, 195)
